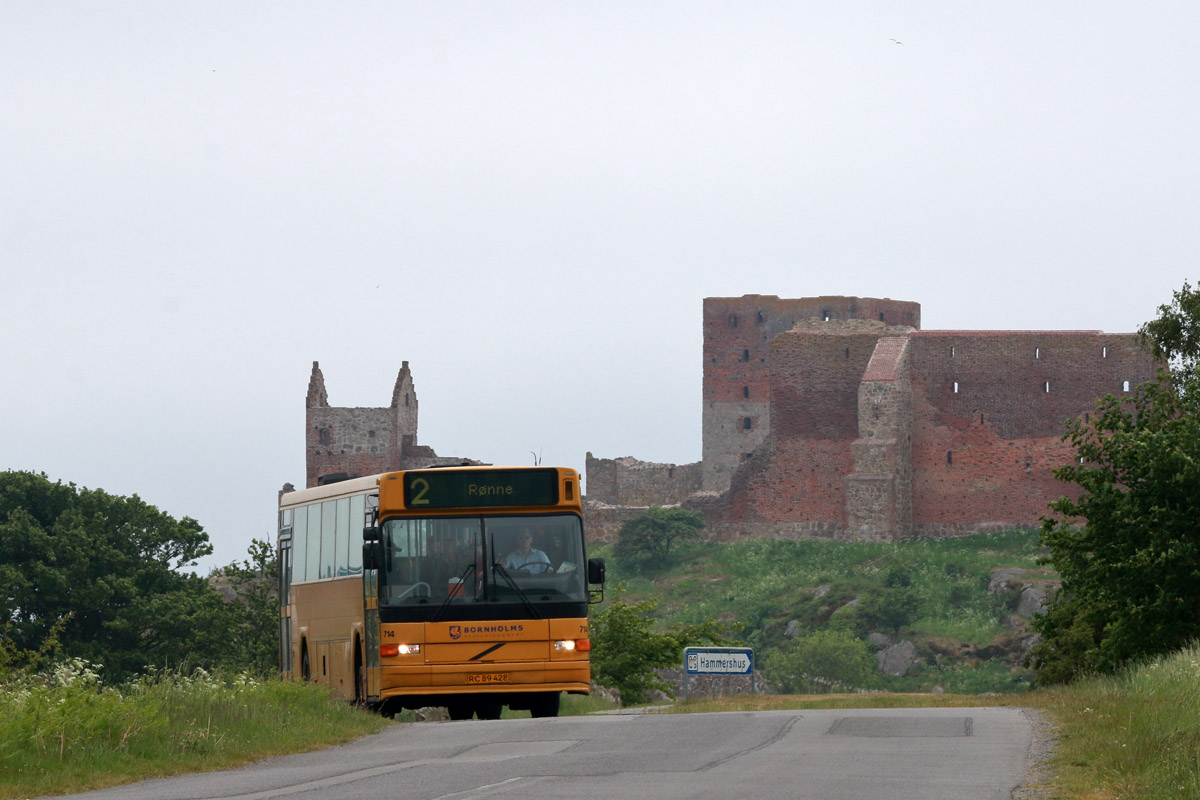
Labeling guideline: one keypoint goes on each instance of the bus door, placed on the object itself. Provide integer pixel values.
(285, 583)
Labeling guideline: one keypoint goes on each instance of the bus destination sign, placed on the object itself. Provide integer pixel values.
(483, 488)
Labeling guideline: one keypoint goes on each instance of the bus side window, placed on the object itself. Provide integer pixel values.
(300, 545)
(314, 542)
(342, 555)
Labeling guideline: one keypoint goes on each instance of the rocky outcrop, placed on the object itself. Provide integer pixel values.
(898, 659)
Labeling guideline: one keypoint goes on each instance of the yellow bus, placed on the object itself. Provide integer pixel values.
(463, 587)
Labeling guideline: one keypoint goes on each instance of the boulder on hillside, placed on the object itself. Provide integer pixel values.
(898, 659)
(608, 695)
(1033, 601)
(879, 640)
(853, 603)
(793, 628)
(1004, 579)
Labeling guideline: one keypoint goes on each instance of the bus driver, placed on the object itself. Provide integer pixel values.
(527, 558)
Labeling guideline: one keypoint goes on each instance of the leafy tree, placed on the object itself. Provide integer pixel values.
(647, 538)
(1174, 335)
(822, 661)
(254, 609)
(626, 649)
(1130, 572)
(101, 573)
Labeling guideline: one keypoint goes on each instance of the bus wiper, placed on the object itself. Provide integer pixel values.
(498, 567)
(462, 583)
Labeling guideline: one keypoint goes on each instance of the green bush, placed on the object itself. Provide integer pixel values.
(626, 649)
(822, 661)
(890, 609)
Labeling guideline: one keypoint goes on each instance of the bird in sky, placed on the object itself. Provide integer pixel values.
(897, 41)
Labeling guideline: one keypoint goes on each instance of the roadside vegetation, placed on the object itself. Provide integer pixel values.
(65, 731)
(808, 608)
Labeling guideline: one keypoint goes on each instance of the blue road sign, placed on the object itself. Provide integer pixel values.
(718, 660)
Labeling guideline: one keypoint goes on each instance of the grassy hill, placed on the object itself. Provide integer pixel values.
(954, 599)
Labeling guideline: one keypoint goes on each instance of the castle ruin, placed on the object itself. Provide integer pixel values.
(364, 441)
(837, 417)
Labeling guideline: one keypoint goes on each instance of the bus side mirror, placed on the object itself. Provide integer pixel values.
(596, 570)
(370, 534)
(371, 559)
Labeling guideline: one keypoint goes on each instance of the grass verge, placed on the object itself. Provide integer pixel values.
(65, 732)
(1131, 735)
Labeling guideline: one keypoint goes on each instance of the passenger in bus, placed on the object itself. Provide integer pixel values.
(468, 560)
(527, 558)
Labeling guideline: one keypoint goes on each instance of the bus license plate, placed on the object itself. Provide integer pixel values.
(495, 677)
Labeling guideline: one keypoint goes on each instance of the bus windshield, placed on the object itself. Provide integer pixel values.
(482, 559)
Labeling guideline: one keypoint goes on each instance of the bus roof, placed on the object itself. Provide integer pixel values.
(330, 490)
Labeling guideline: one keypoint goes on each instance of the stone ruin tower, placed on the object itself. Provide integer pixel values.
(363, 441)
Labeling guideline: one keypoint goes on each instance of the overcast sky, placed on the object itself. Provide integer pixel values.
(529, 201)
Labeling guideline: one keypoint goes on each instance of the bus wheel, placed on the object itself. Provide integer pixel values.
(488, 710)
(460, 710)
(545, 705)
(305, 673)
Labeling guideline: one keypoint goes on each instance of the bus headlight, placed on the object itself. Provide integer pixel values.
(564, 644)
(573, 644)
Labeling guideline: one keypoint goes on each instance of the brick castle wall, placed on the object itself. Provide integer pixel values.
(823, 418)
(628, 481)
(738, 332)
(619, 489)
(989, 415)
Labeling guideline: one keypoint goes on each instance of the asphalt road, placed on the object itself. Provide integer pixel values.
(892, 754)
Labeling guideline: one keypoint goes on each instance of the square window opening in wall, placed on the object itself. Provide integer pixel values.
(1037, 352)
(949, 458)
(761, 318)
(952, 351)
(1125, 386)
(956, 387)
(1046, 387)
(733, 320)
(745, 355)
(1104, 352)
(745, 423)
(825, 315)
(745, 391)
